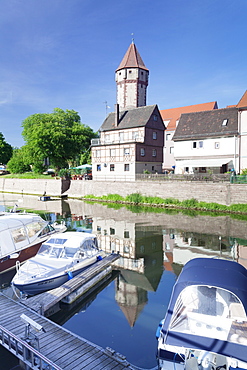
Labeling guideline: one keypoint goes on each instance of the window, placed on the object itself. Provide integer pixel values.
(155, 117)
(126, 167)
(112, 231)
(126, 151)
(216, 145)
(135, 135)
(98, 167)
(112, 167)
(154, 135)
(171, 150)
(225, 122)
(121, 136)
(142, 152)
(168, 137)
(126, 234)
(112, 152)
(194, 145)
(154, 152)
(107, 137)
(200, 144)
(97, 153)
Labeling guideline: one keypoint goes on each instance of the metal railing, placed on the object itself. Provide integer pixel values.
(95, 142)
(186, 177)
(239, 179)
(32, 358)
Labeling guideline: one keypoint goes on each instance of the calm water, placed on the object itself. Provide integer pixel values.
(124, 312)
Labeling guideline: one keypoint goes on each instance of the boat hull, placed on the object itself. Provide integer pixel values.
(46, 284)
(8, 263)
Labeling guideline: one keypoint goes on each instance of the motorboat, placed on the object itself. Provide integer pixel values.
(21, 235)
(58, 260)
(205, 326)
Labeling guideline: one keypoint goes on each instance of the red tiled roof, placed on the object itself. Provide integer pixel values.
(132, 59)
(243, 101)
(174, 114)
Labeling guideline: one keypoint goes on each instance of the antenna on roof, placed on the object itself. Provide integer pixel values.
(106, 107)
(132, 38)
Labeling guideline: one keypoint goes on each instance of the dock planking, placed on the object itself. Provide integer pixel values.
(60, 346)
(44, 302)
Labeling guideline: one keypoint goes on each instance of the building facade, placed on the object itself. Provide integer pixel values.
(131, 138)
(207, 141)
(171, 119)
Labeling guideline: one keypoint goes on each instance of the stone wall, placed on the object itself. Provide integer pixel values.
(223, 193)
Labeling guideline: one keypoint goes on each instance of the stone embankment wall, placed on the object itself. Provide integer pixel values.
(223, 193)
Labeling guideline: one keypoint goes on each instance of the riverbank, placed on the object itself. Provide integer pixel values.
(209, 192)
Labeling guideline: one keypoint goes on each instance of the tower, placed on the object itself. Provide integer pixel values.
(132, 80)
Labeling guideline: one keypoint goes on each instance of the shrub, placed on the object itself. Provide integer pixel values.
(134, 198)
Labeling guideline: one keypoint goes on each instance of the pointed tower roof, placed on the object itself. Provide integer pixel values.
(132, 59)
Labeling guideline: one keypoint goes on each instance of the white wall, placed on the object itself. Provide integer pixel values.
(185, 150)
(243, 140)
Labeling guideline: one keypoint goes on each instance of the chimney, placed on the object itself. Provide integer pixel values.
(116, 115)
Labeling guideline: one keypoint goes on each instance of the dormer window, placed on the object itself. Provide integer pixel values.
(225, 121)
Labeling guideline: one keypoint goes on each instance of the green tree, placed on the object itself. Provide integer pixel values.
(59, 136)
(6, 150)
(18, 162)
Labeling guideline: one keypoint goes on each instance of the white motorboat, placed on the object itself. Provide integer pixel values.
(21, 235)
(59, 259)
(205, 326)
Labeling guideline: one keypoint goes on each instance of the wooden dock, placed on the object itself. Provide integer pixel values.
(72, 289)
(53, 347)
(57, 349)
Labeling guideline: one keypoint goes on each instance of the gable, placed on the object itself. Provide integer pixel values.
(173, 115)
(133, 118)
(243, 101)
(218, 122)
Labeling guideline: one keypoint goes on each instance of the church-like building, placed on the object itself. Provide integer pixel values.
(131, 138)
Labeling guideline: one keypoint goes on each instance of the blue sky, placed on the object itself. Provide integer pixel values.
(63, 53)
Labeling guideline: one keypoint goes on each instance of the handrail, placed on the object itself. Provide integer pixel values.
(22, 349)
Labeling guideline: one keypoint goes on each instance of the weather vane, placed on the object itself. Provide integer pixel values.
(132, 37)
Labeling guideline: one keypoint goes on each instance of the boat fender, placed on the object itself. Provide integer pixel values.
(158, 331)
(70, 275)
(99, 258)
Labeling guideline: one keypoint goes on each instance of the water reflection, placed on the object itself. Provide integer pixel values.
(123, 312)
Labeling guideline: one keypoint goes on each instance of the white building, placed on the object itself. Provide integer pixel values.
(171, 119)
(206, 141)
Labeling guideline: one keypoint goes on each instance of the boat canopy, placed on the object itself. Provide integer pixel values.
(17, 231)
(207, 310)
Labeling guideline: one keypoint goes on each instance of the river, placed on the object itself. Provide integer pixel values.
(154, 245)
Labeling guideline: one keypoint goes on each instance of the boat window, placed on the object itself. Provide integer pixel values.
(33, 228)
(44, 249)
(88, 244)
(19, 235)
(210, 312)
(55, 252)
(57, 241)
(70, 252)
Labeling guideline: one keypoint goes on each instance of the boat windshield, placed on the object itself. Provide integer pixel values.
(210, 312)
(50, 251)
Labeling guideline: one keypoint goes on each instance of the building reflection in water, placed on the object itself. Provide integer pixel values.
(140, 264)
